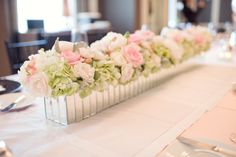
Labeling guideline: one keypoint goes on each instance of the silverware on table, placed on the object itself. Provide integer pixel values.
(206, 146)
(10, 106)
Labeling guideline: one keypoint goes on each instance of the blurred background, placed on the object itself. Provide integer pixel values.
(40, 22)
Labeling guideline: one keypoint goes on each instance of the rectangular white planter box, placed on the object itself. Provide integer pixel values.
(70, 109)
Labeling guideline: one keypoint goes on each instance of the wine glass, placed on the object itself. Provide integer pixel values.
(78, 35)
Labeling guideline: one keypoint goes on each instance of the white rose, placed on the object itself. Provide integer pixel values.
(118, 58)
(98, 55)
(86, 52)
(85, 71)
(63, 46)
(110, 42)
(37, 85)
(116, 41)
(126, 73)
(100, 46)
(113, 41)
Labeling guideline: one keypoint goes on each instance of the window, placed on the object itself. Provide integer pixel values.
(50, 11)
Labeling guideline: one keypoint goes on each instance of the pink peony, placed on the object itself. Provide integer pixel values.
(140, 35)
(132, 54)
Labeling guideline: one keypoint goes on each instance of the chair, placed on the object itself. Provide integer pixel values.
(18, 52)
(51, 37)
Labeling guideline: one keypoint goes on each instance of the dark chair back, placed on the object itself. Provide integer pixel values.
(18, 52)
(96, 34)
(51, 37)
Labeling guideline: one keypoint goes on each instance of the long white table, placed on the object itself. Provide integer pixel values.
(140, 127)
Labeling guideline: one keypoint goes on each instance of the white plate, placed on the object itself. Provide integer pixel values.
(7, 99)
(178, 149)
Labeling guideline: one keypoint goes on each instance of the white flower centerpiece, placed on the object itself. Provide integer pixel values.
(78, 81)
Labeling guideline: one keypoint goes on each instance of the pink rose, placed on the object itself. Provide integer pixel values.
(30, 68)
(178, 38)
(71, 57)
(66, 49)
(199, 39)
(133, 55)
(199, 34)
(140, 35)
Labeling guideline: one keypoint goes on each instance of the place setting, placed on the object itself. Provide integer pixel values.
(198, 147)
(204, 141)
(9, 86)
(11, 97)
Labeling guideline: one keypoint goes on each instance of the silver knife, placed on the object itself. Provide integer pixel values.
(8, 107)
(203, 145)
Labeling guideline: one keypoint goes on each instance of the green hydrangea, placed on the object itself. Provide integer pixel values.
(149, 66)
(87, 90)
(164, 53)
(61, 79)
(105, 73)
(189, 49)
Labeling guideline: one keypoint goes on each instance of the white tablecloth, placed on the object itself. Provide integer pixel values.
(141, 126)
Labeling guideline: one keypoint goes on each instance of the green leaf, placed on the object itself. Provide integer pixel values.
(56, 45)
(127, 34)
